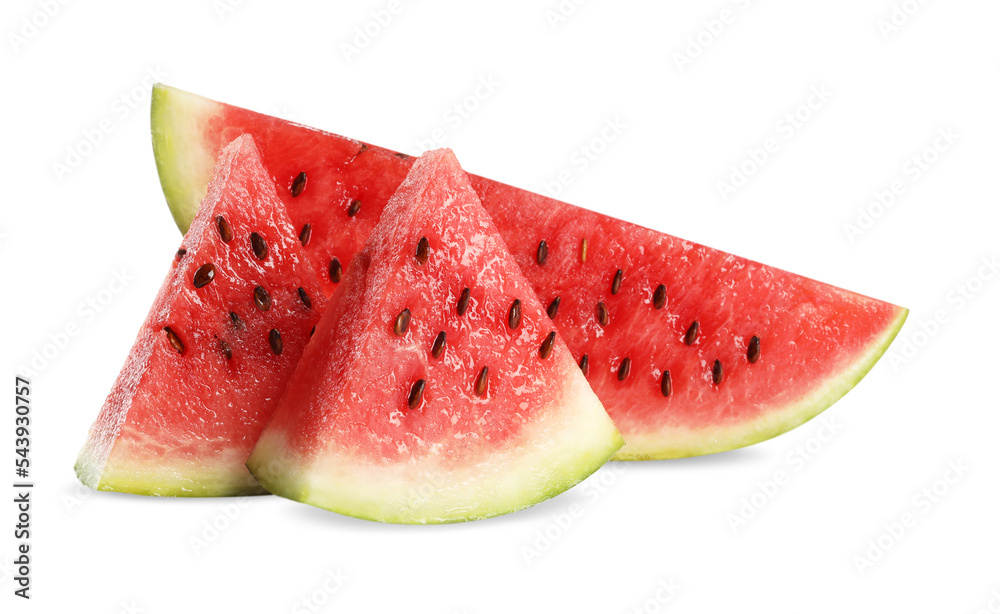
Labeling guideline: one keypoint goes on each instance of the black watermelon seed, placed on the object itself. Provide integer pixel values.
(666, 385)
(423, 248)
(259, 246)
(692, 333)
(514, 315)
(336, 270)
(616, 283)
(354, 207)
(174, 339)
(543, 253)
(225, 231)
(553, 308)
(364, 147)
(603, 317)
(583, 250)
(547, 345)
(585, 365)
(298, 184)
(624, 369)
(660, 297)
(481, 381)
(416, 394)
(313, 331)
(753, 350)
(717, 374)
(181, 252)
(402, 323)
(463, 302)
(403, 156)
(226, 350)
(204, 275)
(274, 338)
(235, 319)
(439, 342)
(305, 298)
(261, 298)
(306, 234)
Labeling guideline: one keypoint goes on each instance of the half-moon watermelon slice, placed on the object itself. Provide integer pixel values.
(216, 349)
(691, 350)
(436, 389)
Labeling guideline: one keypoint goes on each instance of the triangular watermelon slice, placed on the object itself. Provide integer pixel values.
(436, 389)
(216, 349)
(691, 350)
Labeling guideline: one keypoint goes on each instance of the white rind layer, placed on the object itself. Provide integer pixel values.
(178, 120)
(561, 446)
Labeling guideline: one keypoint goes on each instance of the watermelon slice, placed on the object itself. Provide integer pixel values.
(216, 349)
(690, 349)
(436, 389)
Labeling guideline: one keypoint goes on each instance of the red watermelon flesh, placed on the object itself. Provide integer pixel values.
(216, 349)
(813, 341)
(436, 388)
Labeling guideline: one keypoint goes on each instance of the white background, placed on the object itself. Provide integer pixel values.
(63, 235)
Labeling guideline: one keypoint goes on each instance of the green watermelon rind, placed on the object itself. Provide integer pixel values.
(548, 459)
(163, 481)
(777, 421)
(183, 164)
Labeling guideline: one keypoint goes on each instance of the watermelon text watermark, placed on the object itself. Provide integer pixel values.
(32, 25)
(366, 33)
(919, 334)
(423, 492)
(317, 599)
(87, 311)
(921, 504)
(992, 603)
(712, 29)
(665, 592)
(899, 16)
(560, 13)
(785, 128)
(283, 111)
(131, 101)
(584, 156)
(915, 168)
(77, 495)
(795, 460)
(23, 487)
(458, 113)
(559, 524)
(131, 607)
(212, 529)
(224, 8)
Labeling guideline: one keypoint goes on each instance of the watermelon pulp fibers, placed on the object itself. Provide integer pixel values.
(216, 349)
(436, 388)
(770, 349)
